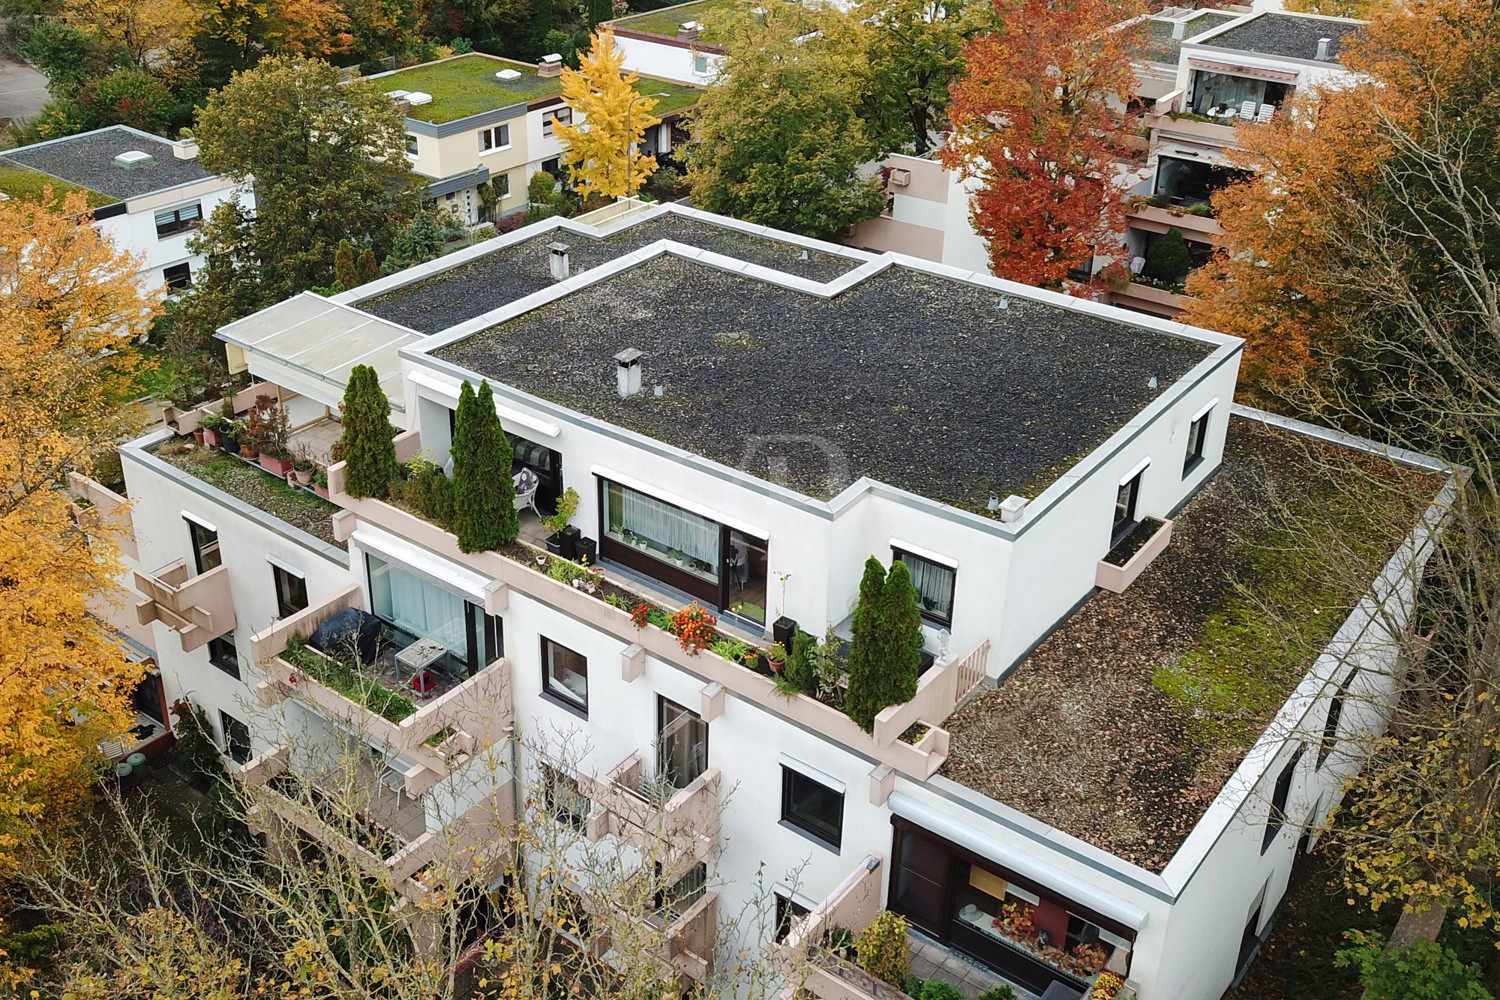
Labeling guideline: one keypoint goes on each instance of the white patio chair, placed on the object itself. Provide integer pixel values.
(1247, 110)
(1267, 111)
(526, 483)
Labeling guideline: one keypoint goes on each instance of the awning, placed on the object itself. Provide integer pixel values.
(309, 345)
(1254, 72)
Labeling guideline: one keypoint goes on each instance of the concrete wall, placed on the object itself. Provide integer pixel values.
(667, 59)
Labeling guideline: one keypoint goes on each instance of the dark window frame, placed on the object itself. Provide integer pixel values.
(181, 280)
(787, 910)
(238, 750)
(1197, 438)
(201, 548)
(178, 223)
(1130, 490)
(1276, 817)
(156, 711)
(556, 785)
(226, 660)
(792, 816)
(552, 116)
(566, 699)
(290, 588)
(1334, 717)
(945, 621)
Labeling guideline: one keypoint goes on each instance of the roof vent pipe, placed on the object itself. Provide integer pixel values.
(1179, 30)
(628, 372)
(1323, 44)
(558, 256)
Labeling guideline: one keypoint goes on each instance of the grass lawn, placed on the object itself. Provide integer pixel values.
(709, 13)
(466, 85)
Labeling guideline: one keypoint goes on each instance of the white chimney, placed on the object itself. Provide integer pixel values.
(185, 149)
(1179, 30)
(1323, 44)
(558, 254)
(628, 372)
(1013, 508)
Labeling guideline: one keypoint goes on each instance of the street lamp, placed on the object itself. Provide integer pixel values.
(628, 107)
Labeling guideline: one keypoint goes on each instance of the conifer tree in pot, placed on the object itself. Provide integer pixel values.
(369, 454)
(885, 654)
(866, 648)
(484, 510)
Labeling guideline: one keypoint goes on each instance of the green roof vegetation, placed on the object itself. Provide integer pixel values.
(466, 85)
(670, 97)
(26, 184)
(710, 13)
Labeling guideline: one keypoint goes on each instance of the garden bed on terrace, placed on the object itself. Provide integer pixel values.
(298, 507)
(1143, 703)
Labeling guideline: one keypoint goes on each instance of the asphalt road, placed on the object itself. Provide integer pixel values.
(23, 90)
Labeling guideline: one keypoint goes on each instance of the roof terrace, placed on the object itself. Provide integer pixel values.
(711, 14)
(1125, 723)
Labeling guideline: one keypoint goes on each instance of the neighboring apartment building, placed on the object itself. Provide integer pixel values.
(147, 193)
(480, 126)
(678, 43)
(747, 416)
(1227, 72)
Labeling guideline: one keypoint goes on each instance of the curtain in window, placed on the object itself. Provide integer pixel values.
(416, 606)
(934, 584)
(670, 527)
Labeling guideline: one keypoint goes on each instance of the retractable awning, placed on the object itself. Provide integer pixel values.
(309, 345)
(1254, 72)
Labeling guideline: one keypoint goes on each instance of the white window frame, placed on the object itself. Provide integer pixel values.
(551, 116)
(491, 135)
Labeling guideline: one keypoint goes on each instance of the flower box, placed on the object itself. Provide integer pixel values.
(276, 466)
(1114, 574)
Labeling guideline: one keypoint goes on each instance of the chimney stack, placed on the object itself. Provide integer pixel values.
(185, 149)
(559, 259)
(1323, 44)
(551, 65)
(688, 31)
(1179, 30)
(628, 372)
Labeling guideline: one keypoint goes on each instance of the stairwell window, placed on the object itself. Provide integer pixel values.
(236, 738)
(291, 591)
(1335, 716)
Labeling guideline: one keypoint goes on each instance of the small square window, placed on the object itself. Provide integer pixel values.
(934, 583)
(205, 547)
(236, 738)
(812, 807)
(1197, 436)
(700, 64)
(223, 654)
(411, 144)
(178, 277)
(1125, 501)
(564, 802)
(565, 675)
(291, 592)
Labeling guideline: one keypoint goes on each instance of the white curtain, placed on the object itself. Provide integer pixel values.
(933, 582)
(416, 606)
(670, 527)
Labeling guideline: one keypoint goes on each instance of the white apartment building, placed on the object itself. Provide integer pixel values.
(148, 193)
(747, 416)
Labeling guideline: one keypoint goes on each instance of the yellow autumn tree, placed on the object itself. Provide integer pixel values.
(601, 154)
(152, 32)
(70, 308)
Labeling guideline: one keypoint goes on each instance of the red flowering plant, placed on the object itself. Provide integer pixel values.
(1089, 958)
(694, 628)
(640, 615)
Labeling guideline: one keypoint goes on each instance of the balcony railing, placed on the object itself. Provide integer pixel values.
(919, 760)
(851, 906)
(685, 825)
(940, 690)
(198, 608)
(682, 942)
(1150, 218)
(100, 510)
(439, 734)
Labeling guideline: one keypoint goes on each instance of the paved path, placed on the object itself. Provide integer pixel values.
(23, 90)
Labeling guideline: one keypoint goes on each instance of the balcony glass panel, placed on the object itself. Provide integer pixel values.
(1225, 91)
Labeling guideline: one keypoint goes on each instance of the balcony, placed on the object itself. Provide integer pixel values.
(680, 935)
(439, 726)
(1192, 127)
(99, 510)
(1146, 298)
(198, 608)
(1152, 219)
(631, 806)
(816, 971)
(378, 827)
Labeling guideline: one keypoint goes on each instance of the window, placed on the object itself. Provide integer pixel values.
(670, 902)
(934, 583)
(565, 675)
(1197, 434)
(236, 738)
(205, 546)
(681, 744)
(222, 654)
(291, 592)
(178, 276)
(666, 532)
(564, 802)
(562, 115)
(501, 185)
(149, 700)
(700, 64)
(1125, 500)
(812, 807)
(494, 138)
(1277, 817)
(171, 221)
(553, 167)
(1335, 715)
(411, 144)
(787, 911)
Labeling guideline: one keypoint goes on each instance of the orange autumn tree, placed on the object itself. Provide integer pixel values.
(1034, 121)
(72, 307)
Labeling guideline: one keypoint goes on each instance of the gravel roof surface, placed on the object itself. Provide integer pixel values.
(918, 381)
(88, 160)
(489, 282)
(1156, 43)
(1276, 34)
(1081, 737)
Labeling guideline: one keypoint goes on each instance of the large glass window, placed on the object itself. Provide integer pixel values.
(417, 607)
(812, 807)
(934, 583)
(236, 738)
(682, 743)
(661, 530)
(1224, 92)
(291, 592)
(565, 674)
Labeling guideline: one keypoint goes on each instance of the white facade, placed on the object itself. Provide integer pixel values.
(166, 254)
(1015, 581)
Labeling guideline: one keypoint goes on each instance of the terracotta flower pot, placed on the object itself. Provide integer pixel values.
(303, 478)
(249, 451)
(200, 434)
(321, 491)
(275, 466)
(210, 438)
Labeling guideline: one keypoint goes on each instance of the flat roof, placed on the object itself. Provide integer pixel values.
(465, 85)
(712, 14)
(25, 184)
(88, 161)
(509, 273)
(949, 389)
(1156, 43)
(1294, 36)
(1124, 724)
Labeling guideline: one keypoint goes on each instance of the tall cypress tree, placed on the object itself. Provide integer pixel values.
(866, 648)
(901, 618)
(369, 454)
(484, 510)
(799, 668)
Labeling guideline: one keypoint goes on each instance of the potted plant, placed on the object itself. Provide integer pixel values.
(777, 657)
(302, 470)
(271, 434)
(206, 426)
(320, 483)
(232, 436)
(562, 538)
(588, 551)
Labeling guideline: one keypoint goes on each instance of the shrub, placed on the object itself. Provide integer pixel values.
(1424, 970)
(912, 987)
(883, 949)
(539, 190)
(936, 989)
(368, 452)
(885, 651)
(343, 265)
(799, 666)
(1004, 992)
(431, 491)
(484, 510)
(1167, 259)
